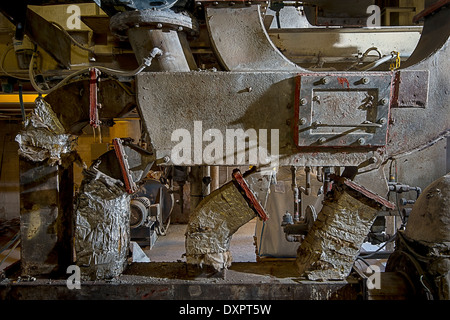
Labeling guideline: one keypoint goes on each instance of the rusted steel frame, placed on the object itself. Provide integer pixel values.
(248, 194)
(130, 185)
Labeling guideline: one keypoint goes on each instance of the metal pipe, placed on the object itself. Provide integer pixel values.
(214, 178)
(376, 63)
(173, 58)
(296, 192)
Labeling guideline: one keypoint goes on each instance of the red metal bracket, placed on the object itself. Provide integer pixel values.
(248, 195)
(369, 194)
(93, 104)
(130, 185)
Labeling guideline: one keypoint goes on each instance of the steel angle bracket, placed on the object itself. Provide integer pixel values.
(342, 109)
(130, 185)
(367, 193)
(253, 202)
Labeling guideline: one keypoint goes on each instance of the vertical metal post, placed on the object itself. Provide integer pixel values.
(46, 221)
(214, 178)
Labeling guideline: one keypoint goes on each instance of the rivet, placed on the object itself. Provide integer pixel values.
(303, 101)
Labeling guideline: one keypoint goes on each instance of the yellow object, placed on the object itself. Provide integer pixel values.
(395, 65)
(14, 97)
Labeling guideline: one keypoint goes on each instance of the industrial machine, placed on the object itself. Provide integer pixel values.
(352, 94)
(150, 213)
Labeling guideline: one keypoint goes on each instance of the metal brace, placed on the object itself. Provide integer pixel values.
(130, 185)
(93, 104)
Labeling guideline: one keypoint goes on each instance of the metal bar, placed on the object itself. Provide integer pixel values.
(369, 194)
(93, 104)
(429, 10)
(362, 125)
(130, 185)
(22, 107)
(237, 177)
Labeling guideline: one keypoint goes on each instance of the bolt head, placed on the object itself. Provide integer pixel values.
(302, 121)
(361, 141)
(382, 121)
(303, 101)
(322, 140)
(365, 80)
(384, 101)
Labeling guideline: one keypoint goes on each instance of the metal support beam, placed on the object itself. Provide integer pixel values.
(46, 194)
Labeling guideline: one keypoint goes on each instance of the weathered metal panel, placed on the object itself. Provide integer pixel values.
(337, 110)
(411, 89)
(228, 26)
(230, 100)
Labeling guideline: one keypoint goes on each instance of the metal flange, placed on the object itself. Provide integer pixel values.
(152, 19)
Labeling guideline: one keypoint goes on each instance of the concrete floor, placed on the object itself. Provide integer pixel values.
(170, 248)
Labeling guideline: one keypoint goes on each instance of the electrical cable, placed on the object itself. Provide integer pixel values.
(10, 251)
(146, 63)
(11, 241)
(365, 256)
(75, 42)
(2, 61)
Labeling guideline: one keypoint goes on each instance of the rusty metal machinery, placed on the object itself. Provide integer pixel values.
(210, 71)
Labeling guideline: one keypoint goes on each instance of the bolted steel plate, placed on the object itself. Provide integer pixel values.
(342, 110)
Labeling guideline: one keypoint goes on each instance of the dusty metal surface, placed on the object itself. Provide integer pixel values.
(431, 54)
(228, 26)
(231, 100)
(156, 19)
(147, 281)
(144, 40)
(411, 89)
(343, 109)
